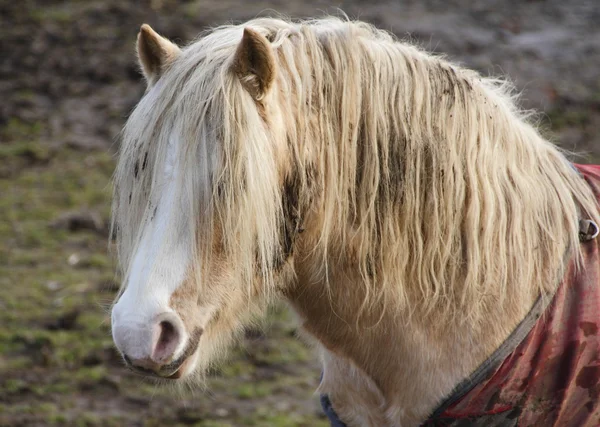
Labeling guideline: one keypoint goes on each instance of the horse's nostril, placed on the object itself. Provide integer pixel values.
(167, 340)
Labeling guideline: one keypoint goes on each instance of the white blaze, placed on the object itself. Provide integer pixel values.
(160, 262)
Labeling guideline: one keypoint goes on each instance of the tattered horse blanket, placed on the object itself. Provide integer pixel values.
(552, 377)
(547, 373)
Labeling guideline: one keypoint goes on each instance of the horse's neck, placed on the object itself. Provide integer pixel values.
(381, 368)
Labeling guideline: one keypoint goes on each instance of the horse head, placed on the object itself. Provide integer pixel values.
(201, 232)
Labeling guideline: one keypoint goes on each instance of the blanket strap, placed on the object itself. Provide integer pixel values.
(493, 362)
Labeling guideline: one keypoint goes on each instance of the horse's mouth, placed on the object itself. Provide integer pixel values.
(178, 367)
(180, 370)
(175, 369)
(172, 371)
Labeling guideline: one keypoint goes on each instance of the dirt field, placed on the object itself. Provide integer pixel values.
(68, 79)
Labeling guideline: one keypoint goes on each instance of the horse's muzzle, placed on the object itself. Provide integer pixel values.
(158, 348)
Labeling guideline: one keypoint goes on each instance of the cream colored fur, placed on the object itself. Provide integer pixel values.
(433, 211)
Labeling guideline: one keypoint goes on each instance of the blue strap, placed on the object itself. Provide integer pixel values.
(328, 409)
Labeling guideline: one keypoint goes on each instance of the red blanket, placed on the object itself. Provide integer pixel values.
(552, 378)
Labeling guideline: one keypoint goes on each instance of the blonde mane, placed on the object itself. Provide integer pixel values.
(423, 174)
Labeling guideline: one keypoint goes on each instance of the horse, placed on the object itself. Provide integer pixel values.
(404, 207)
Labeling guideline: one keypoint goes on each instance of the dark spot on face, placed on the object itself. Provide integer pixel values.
(588, 377)
(296, 195)
(291, 217)
(145, 161)
(154, 213)
(136, 169)
(129, 198)
(589, 328)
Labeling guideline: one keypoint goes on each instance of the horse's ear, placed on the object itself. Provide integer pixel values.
(254, 63)
(155, 53)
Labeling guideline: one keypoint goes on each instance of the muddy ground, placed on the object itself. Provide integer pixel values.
(68, 79)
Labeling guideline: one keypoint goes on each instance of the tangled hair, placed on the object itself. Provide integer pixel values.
(423, 174)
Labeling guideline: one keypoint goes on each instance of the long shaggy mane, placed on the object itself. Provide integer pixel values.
(425, 175)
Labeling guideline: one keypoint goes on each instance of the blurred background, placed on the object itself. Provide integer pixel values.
(68, 80)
